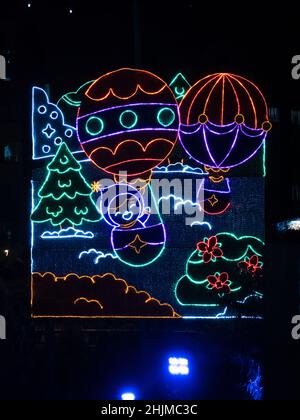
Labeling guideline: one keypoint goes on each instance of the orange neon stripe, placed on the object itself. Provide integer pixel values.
(251, 100)
(136, 90)
(144, 148)
(198, 93)
(92, 279)
(89, 301)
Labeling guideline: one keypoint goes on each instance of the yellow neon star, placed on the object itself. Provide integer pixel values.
(137, 244)
(96, 186)
(213, 200)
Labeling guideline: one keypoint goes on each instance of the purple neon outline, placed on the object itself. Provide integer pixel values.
(233, 125)
(131, 230)
(262, 131)
(208, 150)
(148, 243)
(127, 131)
(128, 106)
(225, 132)
(222, 125)
(223, 191)
(232, 145)
(197, 125)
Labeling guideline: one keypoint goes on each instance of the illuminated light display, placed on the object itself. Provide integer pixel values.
(94, 126)
(128, 120)
(224, 269)
(179, 85)
(86, 296)
(99, 255)
(178, 168)
(288, 225)
(251, 265)
(217, 194)
(65, 196)
(128, 396)
(49, 129)
(228, 132)
(140, 119)
(202, 224)
(178, 366)
(138, 237)
(96, 186)
(216, 175)
(67, 233)
(166, 117)
(70, 102)
(179, 201)
(83, 299)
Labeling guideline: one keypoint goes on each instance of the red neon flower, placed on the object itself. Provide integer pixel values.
(209, 249)
(251, 265)
(219, 282)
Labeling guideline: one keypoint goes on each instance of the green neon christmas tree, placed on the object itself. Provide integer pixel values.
(65, 198)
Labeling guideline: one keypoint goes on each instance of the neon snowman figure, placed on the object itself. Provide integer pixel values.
(138, 235)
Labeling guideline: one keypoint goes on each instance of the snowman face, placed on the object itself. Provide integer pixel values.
(121, 205)
(128, 122)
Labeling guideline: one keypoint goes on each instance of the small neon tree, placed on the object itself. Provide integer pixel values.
(65, 196)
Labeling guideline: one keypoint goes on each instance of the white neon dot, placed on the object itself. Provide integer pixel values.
(53, 115)
(129, 396)
(42, 109)
(46, 149)
(58, 141)
(68, 132)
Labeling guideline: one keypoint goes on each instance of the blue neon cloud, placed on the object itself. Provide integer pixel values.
(67, 233)
(99, 255)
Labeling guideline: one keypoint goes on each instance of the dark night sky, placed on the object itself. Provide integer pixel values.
(162, 36)
(50, 46)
